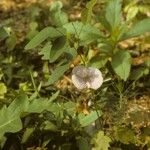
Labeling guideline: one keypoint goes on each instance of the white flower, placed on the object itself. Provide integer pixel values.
(86, 77)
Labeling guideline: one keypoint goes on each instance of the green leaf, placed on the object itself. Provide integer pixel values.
(11, 42)
(138, 29)
(38, 105)
(83, 143)
(57, 73)
(60, 46)
(101, 141)
(124, 135)
(50, 126)
(132, 12)
(19, 105)
(98, 61)
(58, 16)
(87, 12)
(10, 117)
(3, 90)
(33, 30)
(47, 32)
(45, 51)
(113, 14)
(86, 120)
(86, 33)
(70, 108)
(27, 134)
(4, 32)
(121, 63)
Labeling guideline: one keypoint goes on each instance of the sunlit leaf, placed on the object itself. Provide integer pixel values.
(121, 63)
(10, 117)
(113, 14)
(138, 29)
(101, 141)
(58, 16)
(86, 120)
(57, 73)
(86, 33)
(45, 51)
(48, 32)
(124, 135)
(87, 12)
(98, 61)
(3, 90)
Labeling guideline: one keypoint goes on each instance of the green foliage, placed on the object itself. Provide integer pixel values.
(10, 117)
(113, 14)
(59, 116)
(137, 29)
(47, 32)
(58, 17)
(87, 12)
(3, 90)
(87, 120)
(57, 73)
(11, 42)
(4, 32)
(46, 51)
(124, 135)
(98, 61)
(86, 33)
(121, 63)
(101, 141)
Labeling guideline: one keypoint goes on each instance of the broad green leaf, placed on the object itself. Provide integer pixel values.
(121, 63)
(113, 14)
(86, 33)
(70, 107)
(124, 135)
(10, 117)
(19, 105)
(45, 51)
(38, 105)
(9, 122)
(3, 90)
(101, 141)
(58, 16)
(86, 120)
(57, 73)
(4, 32)
(98, 61)
(87, 12)
(137, 29)
(48, 32)
(83, 143)
(60, 46)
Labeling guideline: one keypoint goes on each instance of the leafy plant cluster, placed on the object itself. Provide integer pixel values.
(34, 112)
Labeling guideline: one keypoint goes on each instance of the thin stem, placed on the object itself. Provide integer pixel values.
(35, 88)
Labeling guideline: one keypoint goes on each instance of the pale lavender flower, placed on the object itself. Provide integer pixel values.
(86, 77)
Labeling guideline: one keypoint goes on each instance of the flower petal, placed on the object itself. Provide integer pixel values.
(78, 82)
(87, 77)
(96, 78)
(80, 71)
